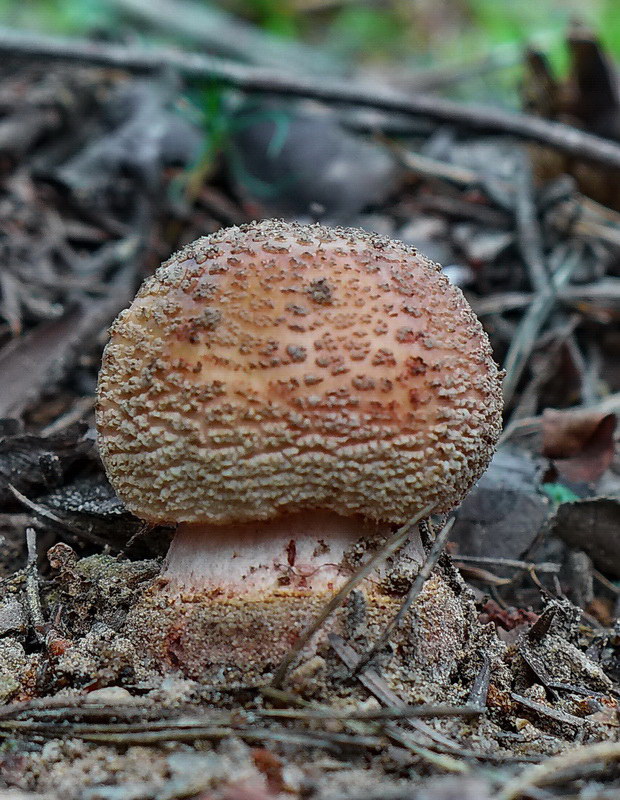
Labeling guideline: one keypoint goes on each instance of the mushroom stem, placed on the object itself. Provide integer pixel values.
(304, 553)
(233, 599)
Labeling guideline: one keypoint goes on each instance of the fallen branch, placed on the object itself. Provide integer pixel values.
(474, 117)
(578, 214)
(216, 31)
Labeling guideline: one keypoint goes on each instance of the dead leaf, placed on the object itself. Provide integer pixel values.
(29, 462)
(507, 618)
(592, 526)
(587, 99)
(270, 765)
(35, 362)
(602, 609)
(579, 442)
(609, 716)
(503, 513)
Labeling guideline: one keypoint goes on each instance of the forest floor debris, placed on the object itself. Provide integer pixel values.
(524, 704)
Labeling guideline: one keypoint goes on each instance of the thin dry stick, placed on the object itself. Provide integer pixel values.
(532, 322)
(500, 303)
(392, 545)
(407, 712)
(295, 701)
(551, 768)
(32, 587)
(587, 218)
(172, 733)
(50, 516)
(606, 291)
(377, 687)
(142, 532)
(252, 79)
(426, 167)
(441, 760)
(611, 587)
(412, 594)
(80, 408)
(513, 563)
(529, 238)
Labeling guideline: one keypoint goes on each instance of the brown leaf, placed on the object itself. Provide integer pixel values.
(503, 513)
(271, 767)
(580, 443)
(592, 526)
(507, 618)
(587, 99)
(32, 363)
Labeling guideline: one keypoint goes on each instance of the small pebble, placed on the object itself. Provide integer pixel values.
(109, 696)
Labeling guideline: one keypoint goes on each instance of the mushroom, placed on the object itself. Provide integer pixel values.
(285, 394)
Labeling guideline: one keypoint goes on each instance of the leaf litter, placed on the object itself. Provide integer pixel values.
(506, 688)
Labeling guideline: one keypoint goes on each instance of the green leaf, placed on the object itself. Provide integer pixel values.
(558, 493)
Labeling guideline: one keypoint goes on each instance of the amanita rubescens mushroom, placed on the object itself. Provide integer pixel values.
(281, 392)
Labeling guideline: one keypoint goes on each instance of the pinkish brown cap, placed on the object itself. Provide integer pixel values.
(274, 367)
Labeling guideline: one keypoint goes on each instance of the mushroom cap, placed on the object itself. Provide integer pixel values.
(276, 367)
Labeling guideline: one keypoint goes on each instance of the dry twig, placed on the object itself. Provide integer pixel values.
(534, 318)
(49, 516)
(32, 586)
(571, 141)
(378, 687)
(511, 563)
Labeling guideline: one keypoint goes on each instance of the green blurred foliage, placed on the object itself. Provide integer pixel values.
(363, 30)
(433, 30)
(276, 16)
(208, 108)
(558, 493)
(415, 32)
(58, 16)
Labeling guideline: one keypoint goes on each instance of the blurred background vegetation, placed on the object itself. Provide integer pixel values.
(410, 32)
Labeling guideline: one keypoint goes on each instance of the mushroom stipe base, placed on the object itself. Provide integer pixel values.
(241, 642)
(232, 600)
